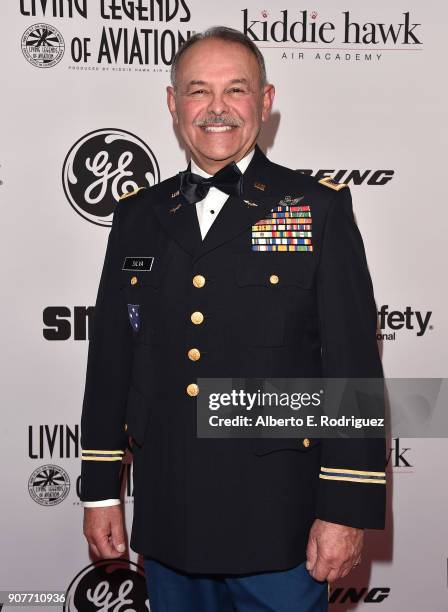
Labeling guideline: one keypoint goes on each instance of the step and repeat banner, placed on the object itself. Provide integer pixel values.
(361, 97)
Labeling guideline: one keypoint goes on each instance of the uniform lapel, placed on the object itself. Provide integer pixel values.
(180, 220)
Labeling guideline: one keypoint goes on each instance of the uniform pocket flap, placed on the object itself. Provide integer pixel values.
(272, 445)
(149, 274)
(274, 270)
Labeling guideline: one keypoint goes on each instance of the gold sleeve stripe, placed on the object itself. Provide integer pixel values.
(103, 458)
(353, 479)
(102, 455)
(103, 452)
(357, 472)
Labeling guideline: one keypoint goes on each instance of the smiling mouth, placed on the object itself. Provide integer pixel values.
(217, 129)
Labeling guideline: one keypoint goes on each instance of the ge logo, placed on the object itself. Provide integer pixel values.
(109, 585)
(103, 165)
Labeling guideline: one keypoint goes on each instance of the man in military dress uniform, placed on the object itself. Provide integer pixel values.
(236, 267)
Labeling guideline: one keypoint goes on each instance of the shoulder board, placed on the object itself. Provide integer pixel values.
(130, 193)
(329, 182)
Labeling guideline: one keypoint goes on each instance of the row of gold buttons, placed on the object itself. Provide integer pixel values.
(196, 318)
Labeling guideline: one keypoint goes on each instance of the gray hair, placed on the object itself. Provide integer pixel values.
(220, 33)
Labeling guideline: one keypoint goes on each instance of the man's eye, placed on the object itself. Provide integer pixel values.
(197, 92)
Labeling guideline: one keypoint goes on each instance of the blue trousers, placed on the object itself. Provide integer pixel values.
(285, 591)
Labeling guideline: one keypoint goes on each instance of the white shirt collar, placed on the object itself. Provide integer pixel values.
(242, 165)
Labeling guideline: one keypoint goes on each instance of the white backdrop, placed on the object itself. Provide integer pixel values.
(378, 103)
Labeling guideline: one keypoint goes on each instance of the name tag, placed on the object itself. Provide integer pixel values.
(139, 264)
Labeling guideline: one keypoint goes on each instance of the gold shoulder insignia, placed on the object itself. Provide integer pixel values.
(131, 193)
(329, 182)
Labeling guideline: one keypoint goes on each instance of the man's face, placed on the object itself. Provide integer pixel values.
(219, 103)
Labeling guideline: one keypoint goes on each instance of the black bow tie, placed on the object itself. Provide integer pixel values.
(194, 188)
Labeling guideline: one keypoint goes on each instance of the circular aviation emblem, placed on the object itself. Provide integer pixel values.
(43, 45)
(103, 165)
(109, 584)
(49, 485)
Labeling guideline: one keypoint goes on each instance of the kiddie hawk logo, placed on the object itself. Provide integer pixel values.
(312, 27)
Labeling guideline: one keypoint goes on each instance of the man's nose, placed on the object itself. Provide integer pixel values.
(218, 105)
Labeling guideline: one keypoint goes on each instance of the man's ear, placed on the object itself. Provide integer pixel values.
(268, 100)
(171, 102)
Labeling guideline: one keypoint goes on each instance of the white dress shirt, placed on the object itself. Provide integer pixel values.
(207, 211)
(209, 208)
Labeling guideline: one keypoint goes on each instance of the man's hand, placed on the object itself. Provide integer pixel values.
(333, 550)
(104, 530)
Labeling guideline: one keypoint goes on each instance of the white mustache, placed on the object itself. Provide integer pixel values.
(224, 121)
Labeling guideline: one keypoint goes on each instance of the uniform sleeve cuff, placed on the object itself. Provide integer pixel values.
(355, 504)
(100, 480)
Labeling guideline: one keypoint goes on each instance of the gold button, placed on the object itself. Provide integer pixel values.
(198, 281)
(192, 389)
(134, 280)
(274, 279)
(125, 426)
(194, 354)
(197, 317)
(306, 442)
